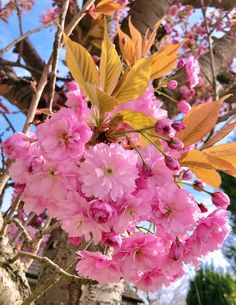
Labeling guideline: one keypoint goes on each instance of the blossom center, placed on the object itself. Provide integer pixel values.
(109, 171)
(64, 136)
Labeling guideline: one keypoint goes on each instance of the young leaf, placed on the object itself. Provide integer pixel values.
(110, 64)
(199, 121)
(201, 159)
(81, 65)
(137, 39)
(164, 60)
(220, 135)
(148, 42)
(105, 102)
(209, 176)
(127, 47)
(134, 82)
(136, 120)
(226, 152)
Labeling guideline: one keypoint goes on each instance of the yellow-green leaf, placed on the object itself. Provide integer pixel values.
(110, 64)
(134, 82)
(81, 65)
(136, 120)
(199, 121)
(106, 102)
(209, 176)
(220, 135)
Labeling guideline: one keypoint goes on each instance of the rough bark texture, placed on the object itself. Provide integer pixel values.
(64, 292)
(102, 295)
(14, 286)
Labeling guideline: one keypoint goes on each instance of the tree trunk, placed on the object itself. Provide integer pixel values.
(102, 295)
(14, 287)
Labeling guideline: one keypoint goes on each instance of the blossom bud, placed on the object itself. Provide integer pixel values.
(198, 185)
(202, 208)
(187, 175)
(72, 86)
(176, 144)
(220, 199)
(16, 146)
(163, 126)
(178, 126)
(37, 220)
(111, 239)
(172, 84)
(171, 163)
(101, 211)
(183, 106)
(180, 64)
(176, 250)
(22, 216)
(75, 240)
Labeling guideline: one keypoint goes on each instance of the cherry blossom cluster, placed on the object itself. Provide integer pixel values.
(110, 190)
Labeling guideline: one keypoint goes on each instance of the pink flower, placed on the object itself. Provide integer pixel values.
(183, 106)
(97, 267)
(163, 126)
(220, 199)
(111, 239)
(172, 84)
(152, 280)
(208, 236)
(186, 93)
(78, 104)
(174, 210)
(193, 70)
(33, 203)
(172, 163)
(108, 171)
(63, 136)
(101, 211)
(138, 253)
(16, 145)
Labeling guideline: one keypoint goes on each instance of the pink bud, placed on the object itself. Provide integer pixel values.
(180, 64)
(38, 220)
(171, 163)
(183, 106)
(163, 126)
(176, 144)
(111, 239)
(172, 84)
(72, 86)
(75, 240)
(198, 185)
(220, 199)
(178, 126)
(176, 250)
(202, 208)
(187, 175)
(22, 216)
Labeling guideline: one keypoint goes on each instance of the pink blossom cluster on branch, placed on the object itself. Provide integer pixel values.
(124, 198)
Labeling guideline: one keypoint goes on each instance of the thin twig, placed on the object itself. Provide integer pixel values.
(226, 116)
(45, 231)
(56, 48)
(21, 30)
(8, 121)
(212, 58)
(9, 216)
(45, 260)
(20, 225)
(17, 40)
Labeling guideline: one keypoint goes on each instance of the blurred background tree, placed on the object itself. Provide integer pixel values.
(211, 287)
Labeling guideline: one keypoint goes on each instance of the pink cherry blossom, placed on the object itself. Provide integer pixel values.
(97, 267)
(174, 210)
(138, 253)
(193, 70)
(108, 171)
(208, 236)
(16, 146)
(63, 136)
